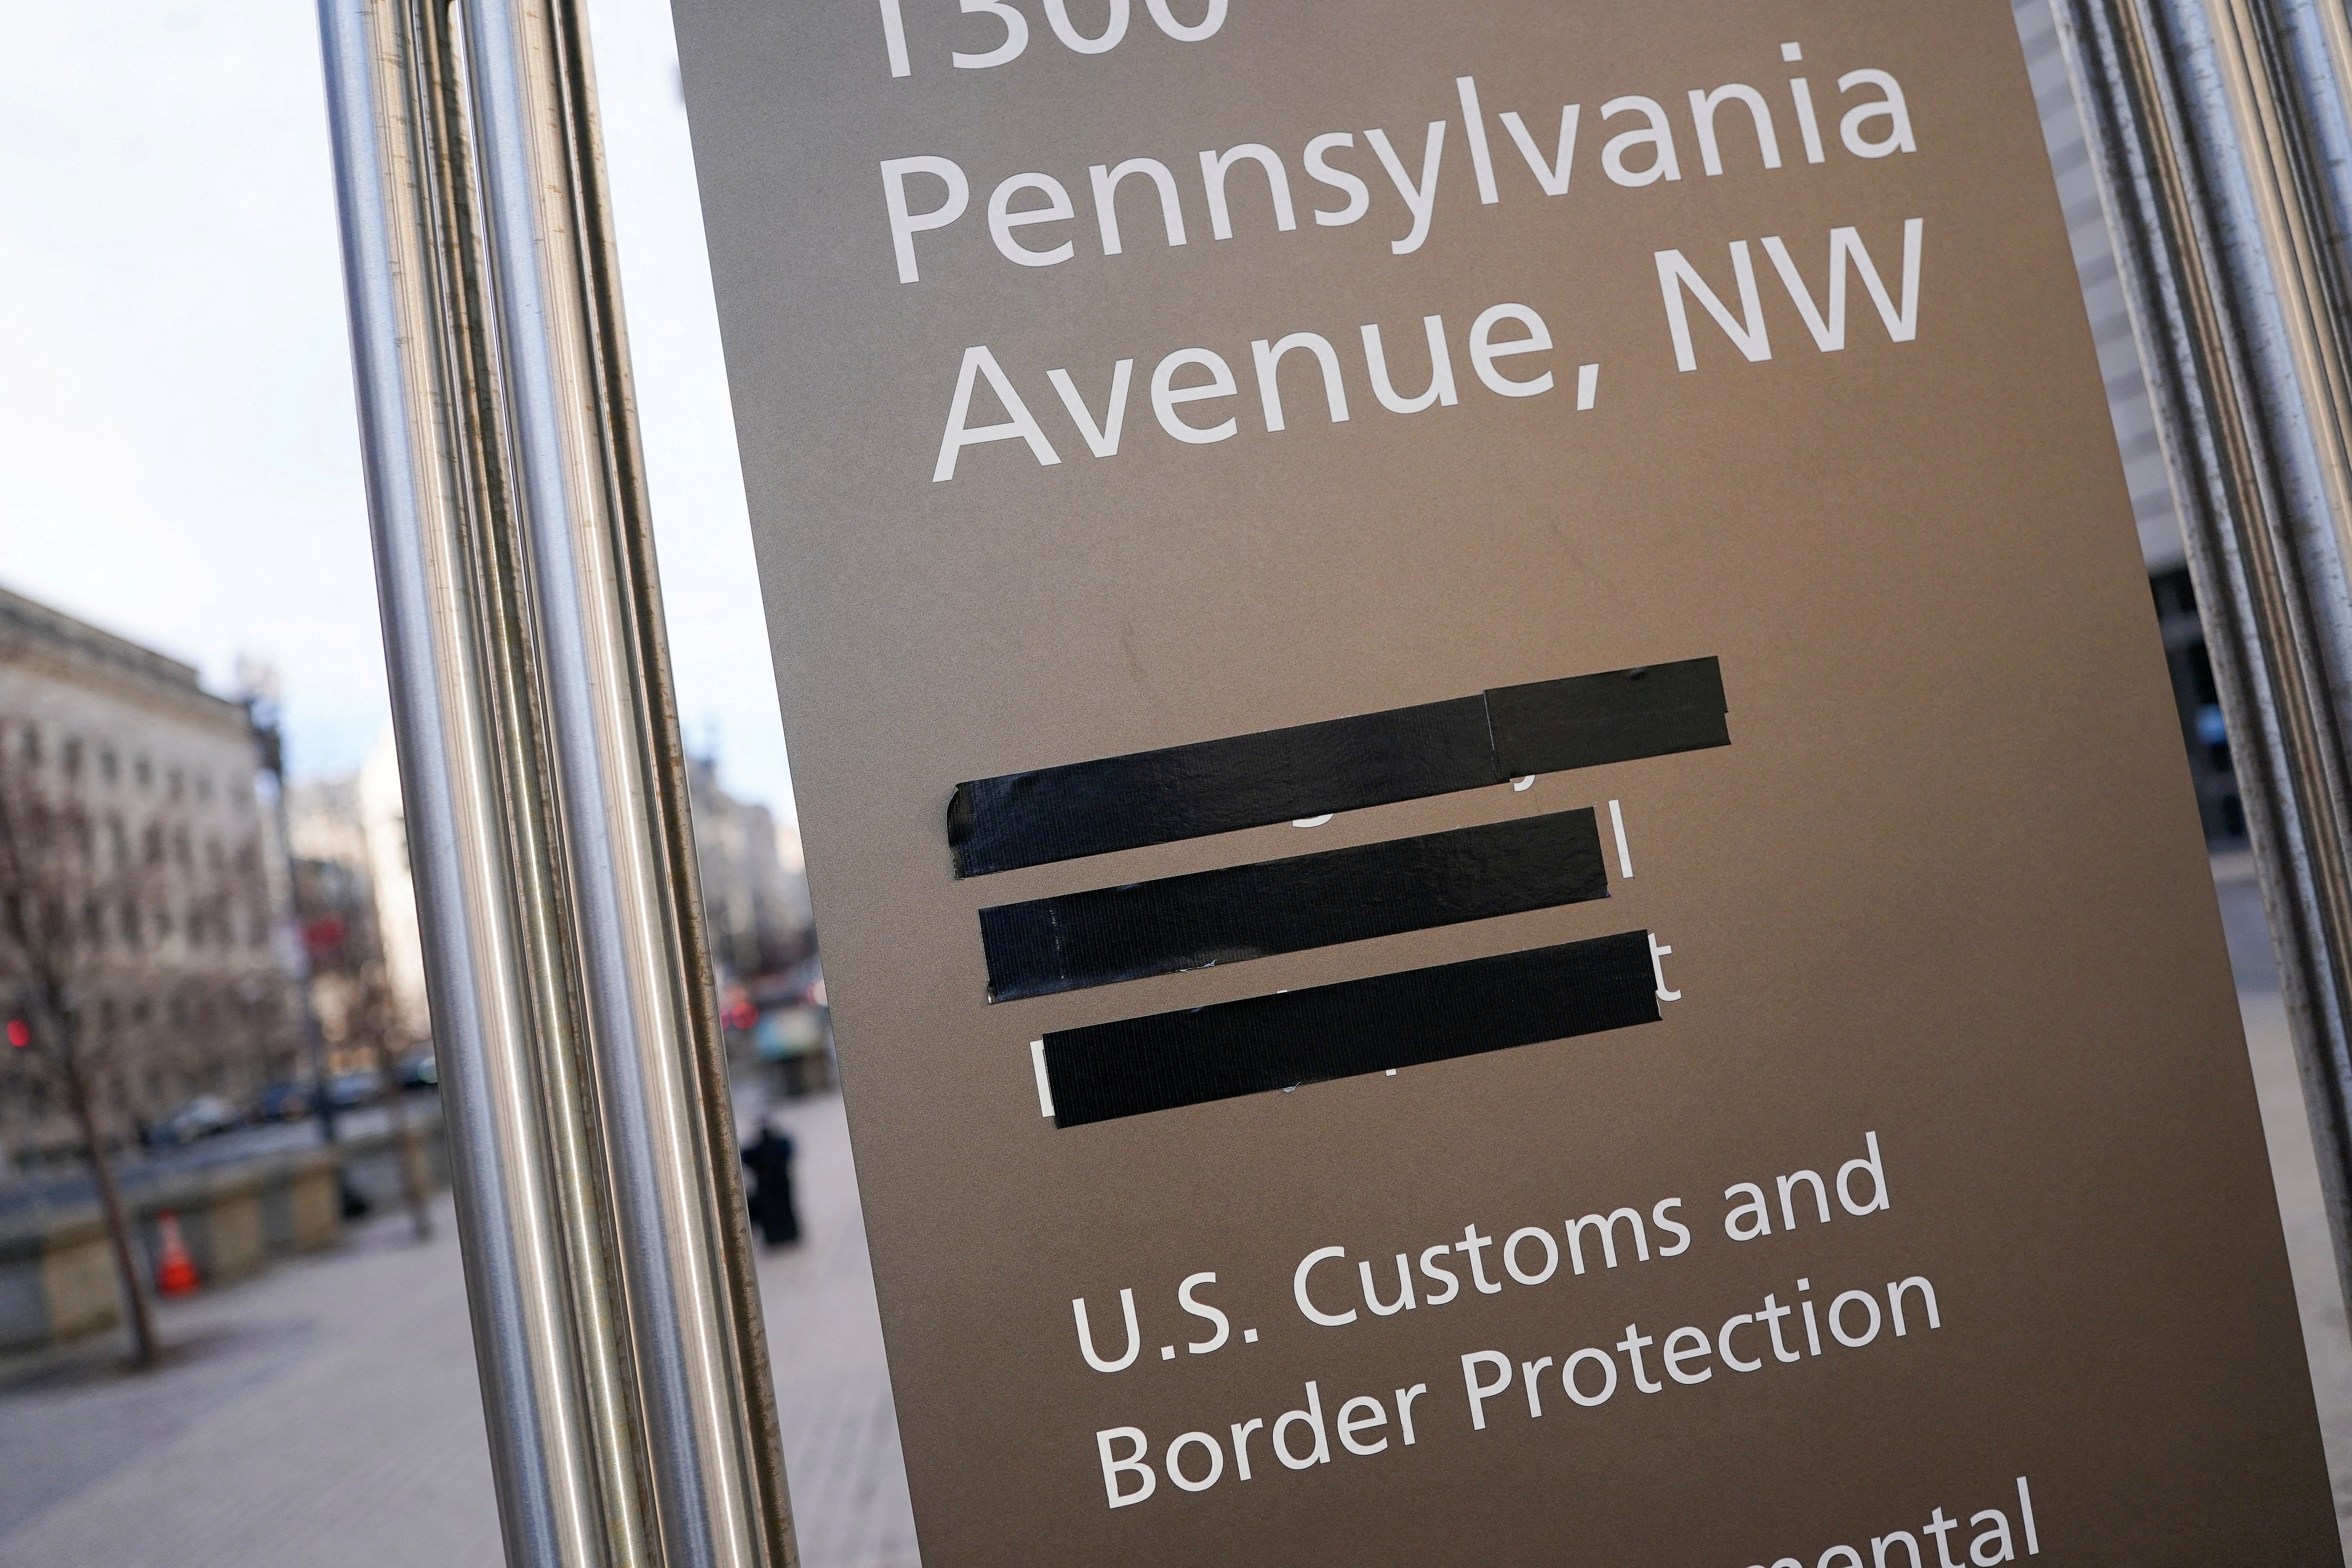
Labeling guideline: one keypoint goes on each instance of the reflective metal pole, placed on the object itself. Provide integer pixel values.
(2222, 134)
(617, 1321)
(620, 767)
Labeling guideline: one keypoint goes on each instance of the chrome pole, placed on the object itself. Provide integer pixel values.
(619, 765)
(2220, 131)
(616, 1316)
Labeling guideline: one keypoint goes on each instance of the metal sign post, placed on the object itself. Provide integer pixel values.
(616, 1319)
(2226, 161)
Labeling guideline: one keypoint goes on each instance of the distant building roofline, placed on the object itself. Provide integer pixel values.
(28, 627)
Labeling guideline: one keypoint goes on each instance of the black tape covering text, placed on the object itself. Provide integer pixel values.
(1237, 913)
(1136, 1066)
(1342, 764)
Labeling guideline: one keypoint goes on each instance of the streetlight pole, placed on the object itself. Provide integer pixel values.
(616, 1316)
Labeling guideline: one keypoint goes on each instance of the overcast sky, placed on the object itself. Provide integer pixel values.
(178, 461)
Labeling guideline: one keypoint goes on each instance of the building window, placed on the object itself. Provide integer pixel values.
(142, 772)
(204, 789)
(2212, 769)
(32, 745)
(109, 766)
(72, 757)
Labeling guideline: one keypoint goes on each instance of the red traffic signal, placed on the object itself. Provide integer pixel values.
(20, 1033)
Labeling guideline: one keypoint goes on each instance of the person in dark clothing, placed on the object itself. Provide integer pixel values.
(768, 1158)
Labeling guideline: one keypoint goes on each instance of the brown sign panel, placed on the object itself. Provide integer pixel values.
(1503, 854)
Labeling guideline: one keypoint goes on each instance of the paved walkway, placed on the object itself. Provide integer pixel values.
(2327, 1338)
(327, 1413)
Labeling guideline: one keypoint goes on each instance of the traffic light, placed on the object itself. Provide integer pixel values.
(20, 1034)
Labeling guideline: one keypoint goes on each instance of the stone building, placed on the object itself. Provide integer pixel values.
(335, 903)
(358, 906)
(178, 986)
(385, 824)
(755, 908)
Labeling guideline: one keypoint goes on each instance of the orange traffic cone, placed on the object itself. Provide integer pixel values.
(175, 1272)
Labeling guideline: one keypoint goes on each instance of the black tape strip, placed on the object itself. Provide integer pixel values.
(1136, 1066)
(1343, 764)
(1585, 720)
(1217, 787)
(1239, 912)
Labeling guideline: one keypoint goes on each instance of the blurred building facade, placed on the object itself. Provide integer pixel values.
(358, 904)
(755, 908)
(385, 826)
(182, 993)
(2162, 549)
(340, 914)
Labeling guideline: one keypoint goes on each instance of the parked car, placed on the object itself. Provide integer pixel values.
(348, 1090)
(200, 1118)
(289, 1100)
(417, 1071)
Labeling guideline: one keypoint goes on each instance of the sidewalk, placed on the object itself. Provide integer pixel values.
(2327, 1338)
(328, 1413)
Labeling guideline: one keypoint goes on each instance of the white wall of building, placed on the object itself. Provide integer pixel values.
(385, 826)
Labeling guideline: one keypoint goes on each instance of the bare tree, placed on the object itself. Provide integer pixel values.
(72, 910)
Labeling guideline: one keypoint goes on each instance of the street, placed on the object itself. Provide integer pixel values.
(67, 1190)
